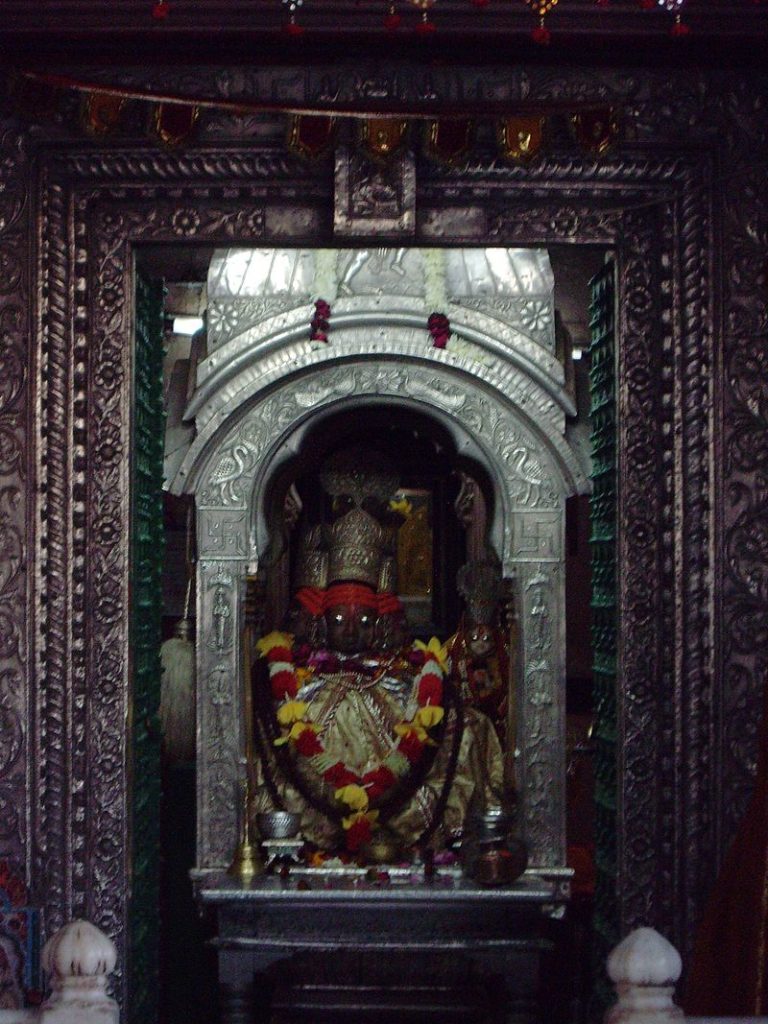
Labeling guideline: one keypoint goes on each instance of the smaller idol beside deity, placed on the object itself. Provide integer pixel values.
(360, 732)
(480, 649)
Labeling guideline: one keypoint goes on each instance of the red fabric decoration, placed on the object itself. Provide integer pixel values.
(541, 35)
(311, 135)
(392, 21)
(350, 593)
(160, 10)
(311, 599)
(729, 971)
(389, 604)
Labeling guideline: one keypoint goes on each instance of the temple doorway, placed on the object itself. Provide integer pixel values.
(187, 295)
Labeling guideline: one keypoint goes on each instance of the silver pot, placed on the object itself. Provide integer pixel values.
(278, 824)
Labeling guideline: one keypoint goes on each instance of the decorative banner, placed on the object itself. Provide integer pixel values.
(102, 112)
(173, 123)
(541, 34)
(449, 140)
(311, 136)
(595, 130)
(520, 138)
(382, 137)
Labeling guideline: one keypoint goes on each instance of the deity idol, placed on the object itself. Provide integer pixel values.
(360, 732)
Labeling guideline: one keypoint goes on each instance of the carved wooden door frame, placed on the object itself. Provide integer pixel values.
(691, 307)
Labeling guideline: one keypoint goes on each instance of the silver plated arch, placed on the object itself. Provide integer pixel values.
(501, 415)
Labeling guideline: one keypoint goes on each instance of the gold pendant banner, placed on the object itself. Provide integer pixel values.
(382, 137)
(102, 112)
(520, 138)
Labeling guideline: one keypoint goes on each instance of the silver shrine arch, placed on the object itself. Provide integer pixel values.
(498, 388)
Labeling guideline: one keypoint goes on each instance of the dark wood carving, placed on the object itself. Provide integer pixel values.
(14, 494)
(685, 210)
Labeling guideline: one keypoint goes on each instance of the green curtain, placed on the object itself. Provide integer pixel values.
(145, 627)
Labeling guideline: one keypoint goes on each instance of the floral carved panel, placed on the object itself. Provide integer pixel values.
(14, 537)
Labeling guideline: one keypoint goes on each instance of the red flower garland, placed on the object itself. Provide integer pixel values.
(353, 791)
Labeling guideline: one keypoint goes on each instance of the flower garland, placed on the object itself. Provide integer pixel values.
(355, 794)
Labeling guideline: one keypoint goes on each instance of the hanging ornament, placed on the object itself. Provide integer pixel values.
(292, 27)
(595, 130)
(541, 34)
(425, 26)
(177, 686)
(161, 10)
(676, 7)
(101, 112)
(382, 137)
(310, 136)
(392, 19)
(520, 138)
(174, 123)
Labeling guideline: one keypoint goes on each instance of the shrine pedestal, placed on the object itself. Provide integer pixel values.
(450, 920)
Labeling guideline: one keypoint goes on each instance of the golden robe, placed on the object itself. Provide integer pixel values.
(356, 717)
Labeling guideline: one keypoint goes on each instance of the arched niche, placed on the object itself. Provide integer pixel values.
(253, 407)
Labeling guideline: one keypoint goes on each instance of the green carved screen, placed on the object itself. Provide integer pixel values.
(603, 520)
(146, 611)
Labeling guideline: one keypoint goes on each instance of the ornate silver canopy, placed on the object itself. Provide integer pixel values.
(498, 389)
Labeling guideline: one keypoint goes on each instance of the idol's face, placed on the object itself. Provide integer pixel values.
(350, 627)
(480, 641)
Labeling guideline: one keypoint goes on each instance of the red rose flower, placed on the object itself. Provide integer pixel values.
(339, 775)
(282, 683)
(410, 746)
(308, 744)
(430, 689)
(378, 782)
(358, 833)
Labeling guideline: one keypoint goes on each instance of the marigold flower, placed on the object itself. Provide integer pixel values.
(274, 639)
(377, 782)
(354, 796)
(294, 732)
(307, 744)
(303, 675)
(338, 775)
(411, 746)
(279, 654)
(403, 506)
(283, 684)
(358, 828)
(429, 716)
(430, 689)
(406, 729)
(292, 711)
(434, 651)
